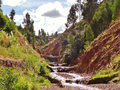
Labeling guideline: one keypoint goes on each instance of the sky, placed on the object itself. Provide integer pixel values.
(50, 15)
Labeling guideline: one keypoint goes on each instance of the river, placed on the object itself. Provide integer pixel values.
(65, 78)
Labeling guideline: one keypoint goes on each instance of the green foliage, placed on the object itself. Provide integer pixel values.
(30, 61)
(73, 48)
(115, 8)
(104, 73)
(72, 17)
(42, 69)
(12, 14)
(101, 18)
(89, 9)
(10, 44)
(8, 79)
(113, 71)
(86, 44)
(6, 24)
(42, 37)
(21, 80)
(116, 60)
(10, 47)
(89, 33)
(116, 63)
(106, 12)
(21, 85)
(71, 39)
(15, 51)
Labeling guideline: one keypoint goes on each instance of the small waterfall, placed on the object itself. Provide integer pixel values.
(69, 79)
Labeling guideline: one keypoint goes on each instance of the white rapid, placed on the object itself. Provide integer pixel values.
(73, 80)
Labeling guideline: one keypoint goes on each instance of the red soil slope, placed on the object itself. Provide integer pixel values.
(53, 48)
(102, 51)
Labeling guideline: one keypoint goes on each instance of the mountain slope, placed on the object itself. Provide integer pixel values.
(102, 51)
(21, 67)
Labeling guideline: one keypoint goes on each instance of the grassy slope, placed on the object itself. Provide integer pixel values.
(15, 47)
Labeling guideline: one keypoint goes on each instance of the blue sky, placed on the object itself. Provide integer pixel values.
(47, 14)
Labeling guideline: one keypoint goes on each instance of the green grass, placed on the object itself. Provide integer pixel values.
(104, 73)
(21, 80)
(112, 72)
(35, 68)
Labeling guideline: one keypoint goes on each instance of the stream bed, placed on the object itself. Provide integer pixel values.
(65, 78)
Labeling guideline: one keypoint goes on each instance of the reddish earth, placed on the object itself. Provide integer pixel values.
(104, 49)
(54, 48)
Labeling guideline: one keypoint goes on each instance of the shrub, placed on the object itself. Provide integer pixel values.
(6, 24)
(31, 61)
(21, 85)
(101, 18)
(41, 68)
(115, 8)
(104, 73)
(8, 79)
(89, 33)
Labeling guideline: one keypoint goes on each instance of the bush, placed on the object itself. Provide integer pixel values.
(89, 33)
(101, 18)
(31, 61)
(8, 79)
(41, 68)
(115, 8)
(104, 73)
(6, 24)
(21, 86)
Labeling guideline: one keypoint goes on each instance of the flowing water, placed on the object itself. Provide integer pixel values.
(69, 79)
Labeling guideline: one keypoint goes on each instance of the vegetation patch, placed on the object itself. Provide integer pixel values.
(20, 80)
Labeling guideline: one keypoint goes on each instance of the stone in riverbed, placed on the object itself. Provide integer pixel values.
(69, 81)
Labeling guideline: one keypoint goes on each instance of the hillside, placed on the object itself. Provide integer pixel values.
(21, 67)
(76, 38)
(93, 43)
(87, 52)
(102, 52)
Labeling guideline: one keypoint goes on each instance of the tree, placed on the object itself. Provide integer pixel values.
(28, 23)
(79, 8)
(89, 9)
(56, 34)
(72, 17)
(39, 33)
(43, 34)
(29, 27)
(12, 14)
(43, 37)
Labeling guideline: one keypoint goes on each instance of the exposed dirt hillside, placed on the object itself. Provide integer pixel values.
(102, 51)
(53, 48)
(57, 46)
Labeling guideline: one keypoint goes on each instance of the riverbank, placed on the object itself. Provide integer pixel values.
(74, 81)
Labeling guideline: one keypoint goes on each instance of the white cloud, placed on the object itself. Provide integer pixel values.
(19, 19)
(13, 2)
(50, 25)
(71, 1)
